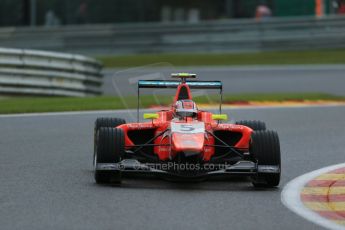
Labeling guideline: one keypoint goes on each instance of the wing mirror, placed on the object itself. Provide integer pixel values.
(150, 116)
(219, 117)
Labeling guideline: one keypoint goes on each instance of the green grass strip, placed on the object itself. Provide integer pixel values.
(57, 104)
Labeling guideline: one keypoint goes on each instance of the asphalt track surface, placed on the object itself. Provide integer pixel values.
(260, 79)
(47, 180)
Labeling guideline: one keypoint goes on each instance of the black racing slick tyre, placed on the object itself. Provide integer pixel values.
(265, 150)
(105, 122)
(108, 122)
(110, 146)
(254, 125)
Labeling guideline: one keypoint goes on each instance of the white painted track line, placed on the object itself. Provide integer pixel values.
(291, 193)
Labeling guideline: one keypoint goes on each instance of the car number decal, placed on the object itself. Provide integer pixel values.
(198, 127)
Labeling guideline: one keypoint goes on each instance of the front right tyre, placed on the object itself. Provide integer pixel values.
(265, 150)
(254, 125)
(109, 149)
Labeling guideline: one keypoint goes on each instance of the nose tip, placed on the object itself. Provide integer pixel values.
(190, 153)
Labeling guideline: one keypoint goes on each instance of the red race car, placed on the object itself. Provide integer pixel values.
(185, 142)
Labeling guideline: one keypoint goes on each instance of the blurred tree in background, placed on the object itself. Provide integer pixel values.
(56, 12)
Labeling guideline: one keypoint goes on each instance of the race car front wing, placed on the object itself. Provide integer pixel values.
(241, 168)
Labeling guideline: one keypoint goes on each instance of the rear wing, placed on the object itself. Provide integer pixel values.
(159, 84)
(171, 84)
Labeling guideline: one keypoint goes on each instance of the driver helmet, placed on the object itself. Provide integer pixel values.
(185, 108)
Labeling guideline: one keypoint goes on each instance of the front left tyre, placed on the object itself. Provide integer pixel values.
(110, 122)
(109, 149)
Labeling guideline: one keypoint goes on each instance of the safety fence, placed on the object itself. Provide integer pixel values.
(245, 35)
(30, 72)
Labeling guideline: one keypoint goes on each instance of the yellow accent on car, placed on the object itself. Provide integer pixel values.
(186, 75)
(220, 117)
(150, 116)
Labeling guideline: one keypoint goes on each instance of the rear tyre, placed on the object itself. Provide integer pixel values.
(110, 146)
(265, 150)
(105, 122)
(255, 125)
